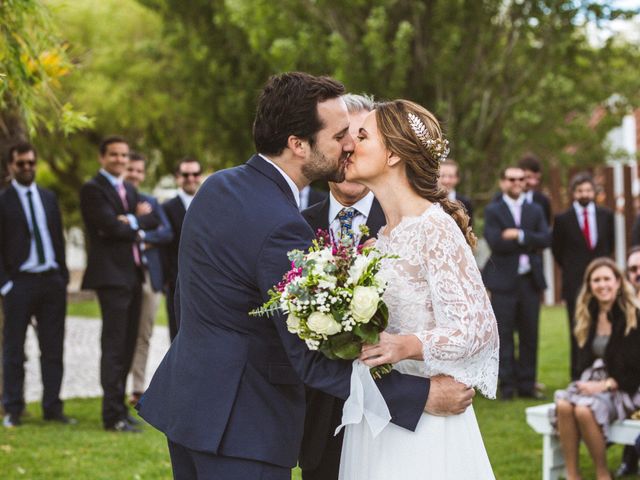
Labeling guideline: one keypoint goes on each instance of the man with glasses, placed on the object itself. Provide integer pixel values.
(188, 178)
(33, 283)
(516, 232)
(580, 234)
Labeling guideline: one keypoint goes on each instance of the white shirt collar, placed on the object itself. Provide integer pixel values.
(451, 195)
(185, 197)
(591, 208)
(513, 202)
(292, 184)
(363, 206)
(23, 189)
(113, 180)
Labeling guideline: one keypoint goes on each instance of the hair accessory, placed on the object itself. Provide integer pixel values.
(438, 148)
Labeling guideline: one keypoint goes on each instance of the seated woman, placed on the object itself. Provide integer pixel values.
(609, 358)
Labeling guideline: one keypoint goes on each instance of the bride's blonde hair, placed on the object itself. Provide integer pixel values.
(422, 163)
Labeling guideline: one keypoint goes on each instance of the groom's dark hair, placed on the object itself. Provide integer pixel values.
(288, 106)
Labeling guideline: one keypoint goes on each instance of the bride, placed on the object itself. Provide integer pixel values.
(440, 318)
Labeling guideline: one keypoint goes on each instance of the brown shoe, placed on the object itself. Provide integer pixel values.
(134, 398)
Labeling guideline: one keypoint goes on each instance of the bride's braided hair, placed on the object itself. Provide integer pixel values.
(422, 162)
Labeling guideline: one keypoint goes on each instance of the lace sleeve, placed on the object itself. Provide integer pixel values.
(464, 341)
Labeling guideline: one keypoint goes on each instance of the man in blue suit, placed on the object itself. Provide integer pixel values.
(517, 232)
(153, 284)
(229, 394)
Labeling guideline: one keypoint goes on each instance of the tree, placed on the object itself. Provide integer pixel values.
(504, 77)
(32, 62)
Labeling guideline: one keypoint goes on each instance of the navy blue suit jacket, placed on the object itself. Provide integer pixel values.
(153, 239)
(232, 384)
(501, 271)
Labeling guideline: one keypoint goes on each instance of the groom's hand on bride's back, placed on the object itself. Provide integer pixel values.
(448, 397)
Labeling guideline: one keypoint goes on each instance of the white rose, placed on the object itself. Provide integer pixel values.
(357, 269)
(323, 323)
(293, 323)
(364, 303)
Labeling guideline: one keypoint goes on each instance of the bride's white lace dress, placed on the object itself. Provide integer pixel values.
(435, 291)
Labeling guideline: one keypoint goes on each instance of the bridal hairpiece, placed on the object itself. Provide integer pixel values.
(438, 148)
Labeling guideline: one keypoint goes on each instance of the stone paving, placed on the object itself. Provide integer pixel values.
(82, 359)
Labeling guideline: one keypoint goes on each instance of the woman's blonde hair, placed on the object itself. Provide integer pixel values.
(626, 300)
(422, 164)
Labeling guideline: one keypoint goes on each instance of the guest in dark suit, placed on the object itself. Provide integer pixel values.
(516, 231)
(188, 178)
(532, 168)
(33, 282)
(310, 196)
(320, 452)
(229, 394)
(449, 179)
(580, 234)
(115, 219)
(153, 284)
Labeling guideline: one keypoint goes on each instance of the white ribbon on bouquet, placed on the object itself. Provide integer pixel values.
(365, 400)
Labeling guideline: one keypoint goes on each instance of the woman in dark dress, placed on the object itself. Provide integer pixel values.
(609, 358)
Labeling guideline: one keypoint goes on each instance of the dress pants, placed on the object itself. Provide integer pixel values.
(518, 311)
(148, 312)
(189, 464)
(120, 307)
(43, 295)
(171, 310)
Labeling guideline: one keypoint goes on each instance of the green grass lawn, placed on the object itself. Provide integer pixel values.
(38, 450)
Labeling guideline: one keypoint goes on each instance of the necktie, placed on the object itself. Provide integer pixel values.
(122, 193)
(586, 230)
(345, 216)
(36, 230)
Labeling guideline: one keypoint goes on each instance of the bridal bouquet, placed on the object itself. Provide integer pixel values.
(333, 297)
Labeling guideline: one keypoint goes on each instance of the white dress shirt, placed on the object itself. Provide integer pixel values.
(362, 206)
(515, 206)
(591, 214)
(292, 184)
(31, 263)
(186, 198)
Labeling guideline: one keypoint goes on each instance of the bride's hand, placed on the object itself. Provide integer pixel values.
(391, 349)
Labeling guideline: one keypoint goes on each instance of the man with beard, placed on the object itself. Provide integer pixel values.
(33, 282)
(229, 394)
(580, 234)
(348, 206)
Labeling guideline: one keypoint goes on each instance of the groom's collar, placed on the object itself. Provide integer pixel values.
(275, 173)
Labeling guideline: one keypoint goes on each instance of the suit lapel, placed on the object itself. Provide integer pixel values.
(111, 193)
(320, 219)
(506, 213)
(14, 198)
(270, 172)
(375, 220)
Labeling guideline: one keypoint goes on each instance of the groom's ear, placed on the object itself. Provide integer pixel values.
(297, 145)
(392, 159)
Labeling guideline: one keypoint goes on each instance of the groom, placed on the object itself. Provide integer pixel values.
(229, 394)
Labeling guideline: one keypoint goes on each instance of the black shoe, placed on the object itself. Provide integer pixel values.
(11, 420)
(131, 420)
(60, 418)
(122, 426)
(626, 469)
